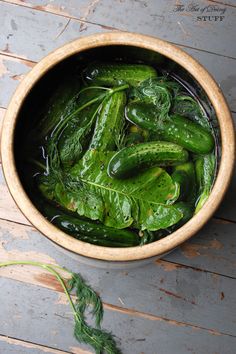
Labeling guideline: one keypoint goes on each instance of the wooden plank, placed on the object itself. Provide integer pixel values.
(51, 324)
(193, 24)
(2, 112)
(163, 19)
(8, 208)
(47, 31)
(213, 249)
(174, 292)
(43, 38)
(224, 2)
(222, 69)
(12, 71)
(11, 345)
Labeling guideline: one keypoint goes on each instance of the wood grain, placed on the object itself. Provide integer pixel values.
(51, 31)
(8, 208)
(11, 345)
(154, 18)
(174, 292)
(12, 71)
(134, 334)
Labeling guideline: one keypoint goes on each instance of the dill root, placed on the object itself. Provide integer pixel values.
(101, 340)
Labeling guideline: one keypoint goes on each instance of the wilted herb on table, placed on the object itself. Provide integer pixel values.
(101, 340)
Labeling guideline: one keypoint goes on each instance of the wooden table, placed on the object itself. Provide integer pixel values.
(181, 304)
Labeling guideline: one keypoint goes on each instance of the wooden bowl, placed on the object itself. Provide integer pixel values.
(136, 47)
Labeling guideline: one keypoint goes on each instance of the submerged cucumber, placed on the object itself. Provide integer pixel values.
(113, 74)
(126, 162)
(109, 123)
(177, 129)
(184, 175)
(89, 231)
(205, 172)
(186, 209)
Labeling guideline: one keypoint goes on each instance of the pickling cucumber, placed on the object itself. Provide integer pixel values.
(126, 162)
(109, 123)
(184, 175)
(186, 209)
(89, 231)
(205, 172)
(177, 129)
(113, 74)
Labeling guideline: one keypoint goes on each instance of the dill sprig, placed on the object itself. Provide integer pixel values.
(101, 340)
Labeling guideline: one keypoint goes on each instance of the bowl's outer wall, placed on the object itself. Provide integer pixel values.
(156, 47)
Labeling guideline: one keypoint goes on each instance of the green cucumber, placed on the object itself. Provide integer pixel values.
(109, 123)
(177, 129)
(205, 172)
(187, 210)
(89, 231)
(184, 175)
(188, 107)
(133, 138)
(113, 74)
(126, 162)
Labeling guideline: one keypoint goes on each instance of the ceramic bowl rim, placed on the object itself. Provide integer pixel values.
(156, 248)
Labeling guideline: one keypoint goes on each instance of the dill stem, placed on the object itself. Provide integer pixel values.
(64, 122)
(49, 268)
(94, 100)
(94, 87)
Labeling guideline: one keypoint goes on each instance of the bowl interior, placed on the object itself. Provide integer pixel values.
(19, 174)
(74, 65)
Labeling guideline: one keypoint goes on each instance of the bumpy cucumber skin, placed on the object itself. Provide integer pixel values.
(90, 231)
(109, 123)
(112, 74)
(188, 134)
(184, 175)
(205, 172)
(126, 162)
(177, 129)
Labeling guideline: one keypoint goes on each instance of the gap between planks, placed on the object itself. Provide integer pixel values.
(57, 11)
(52, 284)
(44, 349)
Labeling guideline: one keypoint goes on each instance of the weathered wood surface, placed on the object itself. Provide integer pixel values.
(177, 292)
(53, 324)
(10, 345)
(166, 19)
(51, 31)
(183, 303)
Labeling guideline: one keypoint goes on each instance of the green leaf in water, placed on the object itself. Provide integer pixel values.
(143, 201)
